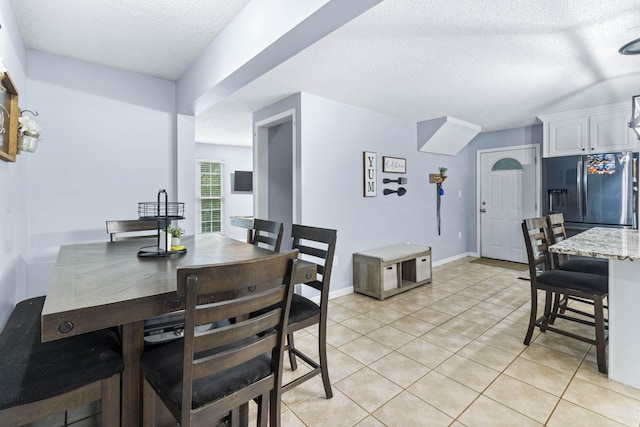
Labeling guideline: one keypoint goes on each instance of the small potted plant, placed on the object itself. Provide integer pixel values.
(443, 171)
(176, 233)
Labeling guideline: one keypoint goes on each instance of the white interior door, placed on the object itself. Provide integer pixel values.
(509, 192)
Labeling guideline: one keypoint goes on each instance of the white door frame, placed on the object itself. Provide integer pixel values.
(261, 163)
(538, 169)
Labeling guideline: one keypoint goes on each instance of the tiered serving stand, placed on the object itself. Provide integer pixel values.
(163, 212)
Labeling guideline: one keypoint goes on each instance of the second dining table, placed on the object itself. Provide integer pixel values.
(105, 284)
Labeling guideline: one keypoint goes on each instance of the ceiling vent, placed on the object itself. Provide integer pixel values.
(445, 135)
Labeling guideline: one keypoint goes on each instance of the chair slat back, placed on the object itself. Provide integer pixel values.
(536, 238)
(205, 367)
(267, 234)
(317, 245)
(556, 226)
(115, 227)
(223, 336)
(234, 291)
(557, 233)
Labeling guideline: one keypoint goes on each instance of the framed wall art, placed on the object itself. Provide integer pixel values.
(394, 164)
(369, 171)
(9, 113)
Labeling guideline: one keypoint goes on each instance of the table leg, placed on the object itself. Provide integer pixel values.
(132, 347)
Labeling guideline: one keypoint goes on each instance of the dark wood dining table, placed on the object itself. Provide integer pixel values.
(105, 284)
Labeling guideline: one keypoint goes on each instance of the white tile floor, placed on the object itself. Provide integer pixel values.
(451, 354)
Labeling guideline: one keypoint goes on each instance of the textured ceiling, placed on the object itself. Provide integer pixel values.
(161, 38)
(496, 63)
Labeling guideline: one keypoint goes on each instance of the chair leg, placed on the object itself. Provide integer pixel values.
(559, 305)
(562, 304)
(548, 315)
(261, 409)
(274, 408)
(532, 316)
(600, 339)
(244, 414)
(292, 356)
(234, 417)
(111, 401)
(324, 366)
(148, 405)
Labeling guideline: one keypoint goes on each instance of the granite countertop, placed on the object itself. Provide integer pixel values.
(600, 242)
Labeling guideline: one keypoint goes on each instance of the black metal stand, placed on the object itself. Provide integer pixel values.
(163, 213)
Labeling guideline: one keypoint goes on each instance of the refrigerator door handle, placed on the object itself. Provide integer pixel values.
(585, 189)
(579, 187)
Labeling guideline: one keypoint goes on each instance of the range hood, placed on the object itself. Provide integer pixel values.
(445, 135)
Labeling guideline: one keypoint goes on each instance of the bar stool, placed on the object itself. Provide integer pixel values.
(557, 233)
(588, 287)
(316, 245)
(267, 234)
(212, 375)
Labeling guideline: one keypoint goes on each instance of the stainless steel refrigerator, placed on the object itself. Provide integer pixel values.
(591, 190)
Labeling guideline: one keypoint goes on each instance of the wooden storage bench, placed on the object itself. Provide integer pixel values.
(387, 271)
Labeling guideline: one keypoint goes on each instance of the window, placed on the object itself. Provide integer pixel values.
(209, 194)
(507, 164)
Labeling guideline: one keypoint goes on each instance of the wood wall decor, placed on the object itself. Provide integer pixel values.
(369, 171)
(394, 164)
(9, 113)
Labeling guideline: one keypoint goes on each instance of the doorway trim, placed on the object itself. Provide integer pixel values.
(261, 162)
(538, 168)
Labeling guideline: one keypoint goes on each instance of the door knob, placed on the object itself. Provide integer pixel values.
(483, 210)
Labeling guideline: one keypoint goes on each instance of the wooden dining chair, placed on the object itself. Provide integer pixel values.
(558, 233)
(316, 245)
(213, 374)
(131, 229)
(587, 286)
(40, 379)
(266, 234)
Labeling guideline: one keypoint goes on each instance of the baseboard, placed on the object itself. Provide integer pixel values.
(455, 258)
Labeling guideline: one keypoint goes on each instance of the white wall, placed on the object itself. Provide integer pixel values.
(13, 187)
(331, 139)
(108, 143)
(235, 204)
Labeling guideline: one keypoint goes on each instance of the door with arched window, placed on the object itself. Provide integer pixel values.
(509, 192)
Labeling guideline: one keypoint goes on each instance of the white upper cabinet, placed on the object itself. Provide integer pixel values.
(594, 130)
(610, 132)
(567, 137)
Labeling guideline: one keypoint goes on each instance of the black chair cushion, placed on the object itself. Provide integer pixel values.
(593, 266)
(31, 370)
(302, 308)
(584, 282)
(163, 369)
